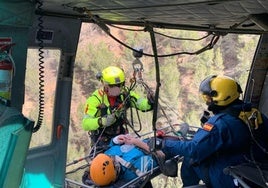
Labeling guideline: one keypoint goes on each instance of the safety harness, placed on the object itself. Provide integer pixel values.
(252, 118)
(128, 165)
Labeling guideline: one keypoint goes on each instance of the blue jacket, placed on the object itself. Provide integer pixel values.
(144, 162)
(222, 142)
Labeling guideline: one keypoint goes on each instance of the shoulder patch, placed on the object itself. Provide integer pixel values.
(208, 127)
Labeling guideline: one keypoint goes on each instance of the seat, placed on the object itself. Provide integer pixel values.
(248, 175)
(15, 136)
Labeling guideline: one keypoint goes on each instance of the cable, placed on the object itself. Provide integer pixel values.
(127, 29)
(158, 33)
(209, 46)
(147, 28)
(41, 69)
(149, 90)
(178, 38)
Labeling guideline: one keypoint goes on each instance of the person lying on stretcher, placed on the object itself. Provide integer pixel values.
(127, 158)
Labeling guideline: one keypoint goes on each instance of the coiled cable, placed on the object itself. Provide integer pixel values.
(41, 69)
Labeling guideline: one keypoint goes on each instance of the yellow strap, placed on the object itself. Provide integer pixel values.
(253, 117)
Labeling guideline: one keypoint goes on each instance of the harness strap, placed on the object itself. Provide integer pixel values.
(252, 117)
(129, 166)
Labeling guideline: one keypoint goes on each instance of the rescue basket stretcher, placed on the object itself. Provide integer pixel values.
(138, 181)
(135, 183)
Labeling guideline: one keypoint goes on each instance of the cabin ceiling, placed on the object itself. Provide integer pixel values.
(237, 16)
(231, 16)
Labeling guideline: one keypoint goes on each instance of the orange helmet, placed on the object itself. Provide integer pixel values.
(102, 170)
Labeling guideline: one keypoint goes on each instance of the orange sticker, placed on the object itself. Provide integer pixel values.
(208, 127)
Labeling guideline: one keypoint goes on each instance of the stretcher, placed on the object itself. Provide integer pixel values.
(141, 181)
(138, 182)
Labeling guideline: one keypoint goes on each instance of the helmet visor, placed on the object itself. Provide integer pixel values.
(205, 87)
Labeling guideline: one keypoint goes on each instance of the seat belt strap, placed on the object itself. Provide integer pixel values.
(129, 166)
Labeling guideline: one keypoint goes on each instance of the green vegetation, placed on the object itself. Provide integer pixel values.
(180, 77)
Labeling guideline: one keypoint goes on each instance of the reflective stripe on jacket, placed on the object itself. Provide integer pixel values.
(92, 112)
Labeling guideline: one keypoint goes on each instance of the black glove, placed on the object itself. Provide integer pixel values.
(204, 118)
(156, 144)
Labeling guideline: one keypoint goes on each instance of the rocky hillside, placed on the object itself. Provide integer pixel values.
(180, 74)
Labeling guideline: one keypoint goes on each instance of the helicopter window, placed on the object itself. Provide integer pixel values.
(31, 107)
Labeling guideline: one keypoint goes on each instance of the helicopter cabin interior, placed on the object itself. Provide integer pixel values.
(56, 24)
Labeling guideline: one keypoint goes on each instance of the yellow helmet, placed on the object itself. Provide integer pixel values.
(102, 170)
(223, 90)
(113, 75)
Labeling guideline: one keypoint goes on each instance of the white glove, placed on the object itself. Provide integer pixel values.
(184, 129)
(107, 120)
